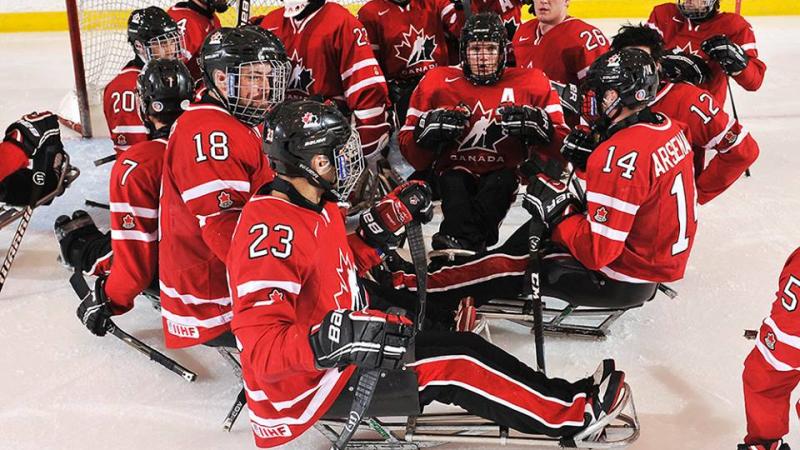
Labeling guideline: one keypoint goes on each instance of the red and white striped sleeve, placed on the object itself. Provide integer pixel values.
(753, 75)
(133, 196)
(419, 157)
(451, 20)
(779, 337)
(612, 201)
(365, 90)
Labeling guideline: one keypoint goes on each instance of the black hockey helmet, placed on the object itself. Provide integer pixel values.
(630, 72)
(298, 131)
(639, 36)
(698, 10)
(154, 34)
(165, 88)
(219, 6)
(256, 67)
(484, 27)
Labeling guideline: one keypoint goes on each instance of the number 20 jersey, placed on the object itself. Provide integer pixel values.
(640, 197)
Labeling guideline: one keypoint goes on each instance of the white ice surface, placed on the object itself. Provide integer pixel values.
(61, 388)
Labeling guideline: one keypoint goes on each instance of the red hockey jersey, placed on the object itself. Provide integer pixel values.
(13, 159)
(711, 128)
(195, 24)
(133, 200)
(780, 332)
(484, 147)
(684, 35)
(510, 11)
(564, 53)
(212, 165)
(120, 108)
(409, 40)
(331, 57)
(640, 198)
(289, 265)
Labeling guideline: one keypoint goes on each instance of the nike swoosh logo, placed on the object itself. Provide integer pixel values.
(522, 39)
(380, 13)
(450, 80)
(272, 29)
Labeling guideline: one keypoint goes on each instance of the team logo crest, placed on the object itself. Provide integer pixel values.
(274, 297)
(122, 140)
(417, 47)
(310, 119)
(601, 215)
(349, 295)
(770, 340)
(301, 78)
(485, 132)
(686, 49)
(128, 222)
(224, 199)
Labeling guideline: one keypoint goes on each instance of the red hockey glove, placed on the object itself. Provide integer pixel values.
(380, 225)
(369, 339)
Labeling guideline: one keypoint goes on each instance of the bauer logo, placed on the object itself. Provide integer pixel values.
(270, 432)
(183, 331)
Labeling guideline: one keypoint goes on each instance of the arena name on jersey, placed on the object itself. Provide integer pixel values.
(670, 154)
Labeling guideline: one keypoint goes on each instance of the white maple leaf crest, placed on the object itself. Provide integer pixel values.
(417, 47)
(349, 295)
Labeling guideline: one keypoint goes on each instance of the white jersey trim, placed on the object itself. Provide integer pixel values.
(716, 139)
(364, 83)
(189, 321)
(189, 299)
(138, 211)
(788, 339)
(130, 129)
(608, 232)
(364, 114)
(133, 235)
(213, 186)
(612, 202)
(614, 275)
(771, 359)
(324, 388)
(358, 66)
(260, 285)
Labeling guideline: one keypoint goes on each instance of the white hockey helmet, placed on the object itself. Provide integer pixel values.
(292, 8)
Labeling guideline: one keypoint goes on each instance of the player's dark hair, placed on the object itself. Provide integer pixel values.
(639, 36)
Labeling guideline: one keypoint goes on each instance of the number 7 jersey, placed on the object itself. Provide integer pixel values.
(640, 197)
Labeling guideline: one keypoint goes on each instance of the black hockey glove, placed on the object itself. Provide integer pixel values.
(440, 126)
(532, 125)
(94, 310)
(80, 241)
(381, 224)
(369, 339)
(35, 131)
(578, 146)
(547, 199)
(570, 97)
(686, 67)
(728, 54)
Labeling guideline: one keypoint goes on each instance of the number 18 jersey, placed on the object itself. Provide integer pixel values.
(640, 197)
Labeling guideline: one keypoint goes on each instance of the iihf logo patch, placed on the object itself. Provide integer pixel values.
(770, 340)
(128, 222)
(225, 201)
(641, 94)
(601, 215)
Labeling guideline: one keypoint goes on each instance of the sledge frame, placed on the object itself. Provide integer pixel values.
(619, 429)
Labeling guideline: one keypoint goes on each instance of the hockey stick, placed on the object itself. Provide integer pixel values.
(82, 290)
(368, 380)
(104, 160)
(532, 292)
(233, 414)
(15, 242)
(95, 204)
(243, 13)
(74, 126)
(735, 114)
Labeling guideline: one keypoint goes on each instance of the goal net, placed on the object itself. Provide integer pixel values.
(101, 25)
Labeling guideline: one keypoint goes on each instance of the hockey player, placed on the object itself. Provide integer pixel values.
(510, 12)
(474, 124)
(561, 46)
(32, 144)
(212, 165)
(725, 40)
(711, 128)
(304, 326)
(196, 20)
(152, 34)
(164, 89)
(332, 59)
(770, 370)
(409, 38)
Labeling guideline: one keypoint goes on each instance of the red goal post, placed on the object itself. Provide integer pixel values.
(100, 49)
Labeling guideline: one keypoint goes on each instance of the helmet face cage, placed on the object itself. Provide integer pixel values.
(166, 46)
(698, 9)
(484, 51)
(348, 161)
(255, 87)
(484, 30)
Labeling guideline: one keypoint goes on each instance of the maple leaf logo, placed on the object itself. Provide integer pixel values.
(686, 49)
(484, 133)
(770, 340)
(301, 78)
(601, 215)
(224, 199)
(275, 296)
(309, 119)
(417, 47)
(349, 295)
(128, 222)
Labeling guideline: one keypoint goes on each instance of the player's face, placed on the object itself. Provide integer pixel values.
(550, 11)
(483, 57)
(322, 165)
(167, 49)
(695, 5)
(254, 85)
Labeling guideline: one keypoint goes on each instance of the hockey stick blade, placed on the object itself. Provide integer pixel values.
(416, 245)
(365, 389)
(11, 254)
(95, 204)
(233, 414)
(82, 290)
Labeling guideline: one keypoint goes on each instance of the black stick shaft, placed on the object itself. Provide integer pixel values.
(416, 245)
(243, 13)
(233, 414)
(735, 114)
(105, 160)
(95, 204)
